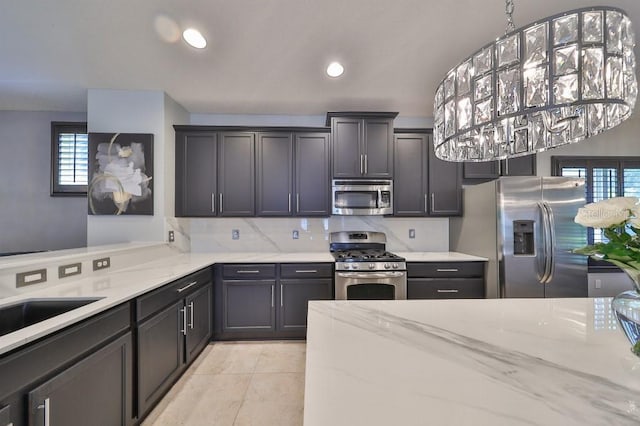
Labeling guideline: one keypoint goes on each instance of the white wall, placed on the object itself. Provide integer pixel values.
(126, 111)
(30, 219)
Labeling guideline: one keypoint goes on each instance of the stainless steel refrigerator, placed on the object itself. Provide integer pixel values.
(524, 226)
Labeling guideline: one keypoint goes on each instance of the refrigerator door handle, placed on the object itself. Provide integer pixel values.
(552, 242)
(546, 249)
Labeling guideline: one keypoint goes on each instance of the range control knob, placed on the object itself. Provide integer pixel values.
(395, 266)
(372, 266)
(387, 266)
(354, 266)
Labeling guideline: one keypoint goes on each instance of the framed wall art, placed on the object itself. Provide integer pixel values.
(120, 173)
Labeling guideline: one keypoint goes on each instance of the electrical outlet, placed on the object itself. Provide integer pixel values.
(412, 233)
(101, 263)
(295, 234)
(172, 237)
(235, 234)
(598, 283)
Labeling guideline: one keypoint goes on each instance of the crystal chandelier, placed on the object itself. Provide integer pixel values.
(557, 81)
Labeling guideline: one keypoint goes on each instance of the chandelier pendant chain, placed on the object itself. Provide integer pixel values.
(508, 10)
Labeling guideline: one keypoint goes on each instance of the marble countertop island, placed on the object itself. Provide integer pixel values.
(469, 362)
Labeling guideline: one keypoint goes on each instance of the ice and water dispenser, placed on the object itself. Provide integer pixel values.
(523, 242)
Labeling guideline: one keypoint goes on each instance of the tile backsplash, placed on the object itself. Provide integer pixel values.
(276, 235)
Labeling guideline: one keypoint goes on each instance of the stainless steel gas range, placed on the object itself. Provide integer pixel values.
(364, 269)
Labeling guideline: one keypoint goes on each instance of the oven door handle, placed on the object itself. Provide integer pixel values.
(394, 274)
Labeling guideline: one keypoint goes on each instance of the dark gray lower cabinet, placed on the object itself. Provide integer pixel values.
(445, 280)
(96, 390)
(249, 305)
(199, 321)
(295, 295)
(174, 325)
(5, 415)
(160, 354)
(84, 374)
(273, 303)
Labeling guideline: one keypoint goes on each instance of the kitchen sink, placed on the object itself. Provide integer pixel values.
(19, 315)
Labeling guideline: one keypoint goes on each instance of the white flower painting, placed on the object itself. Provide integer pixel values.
(121, 168)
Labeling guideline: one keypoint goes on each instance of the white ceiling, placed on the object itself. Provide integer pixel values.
(263, 57)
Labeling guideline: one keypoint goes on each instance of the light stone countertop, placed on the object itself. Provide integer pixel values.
(469, 362)
(136, 268)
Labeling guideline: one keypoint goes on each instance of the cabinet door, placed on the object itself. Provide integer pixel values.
(312, 191)
(160, 354)
(347, 134)
(275, 174)
(196, 174)
(485, 170)
(249, 305)
(445, 185)
(199, 321)
(519, 166)
(294, 297)
(236, 174)
(409, 182)
(5, 416)
(378, 148)
(96, 390)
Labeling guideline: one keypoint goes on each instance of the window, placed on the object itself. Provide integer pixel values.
(606, 177)
(69, 158)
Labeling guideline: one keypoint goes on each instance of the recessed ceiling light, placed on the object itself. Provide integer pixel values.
(194, 38)
(335, 69)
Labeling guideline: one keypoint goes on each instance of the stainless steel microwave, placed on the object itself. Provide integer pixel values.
(362, 197)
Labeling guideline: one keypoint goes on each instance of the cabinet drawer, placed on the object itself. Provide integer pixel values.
(248, 272)
(445, 288)
(306, 270)
(445, 269)
(157, 299)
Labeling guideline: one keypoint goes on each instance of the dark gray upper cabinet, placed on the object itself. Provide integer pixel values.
(293, 174)
(312, 180)
(445, 185)
(215, 174)
(196, 181)
(477, 172)
(423, 184)
(362, 144)
(275, 174)
(236, 174)
(410, 196)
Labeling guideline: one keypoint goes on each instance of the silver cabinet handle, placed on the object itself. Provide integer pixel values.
(433, 202)
(447, 270)
(297, 202)
(361, 164)
(289, 204)
(273, 290)
(47, 411)
(221, 202)
(365, 164)
(281, 296)
(191, 284)
(447, 291)
(426, 208)
(247, 272)
(191, 315)
(213, 202)
(184, 321)
(306, 271)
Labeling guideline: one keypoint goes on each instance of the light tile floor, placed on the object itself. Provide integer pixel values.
(238, 384)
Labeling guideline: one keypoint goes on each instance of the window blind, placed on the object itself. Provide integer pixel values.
(73, 159)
